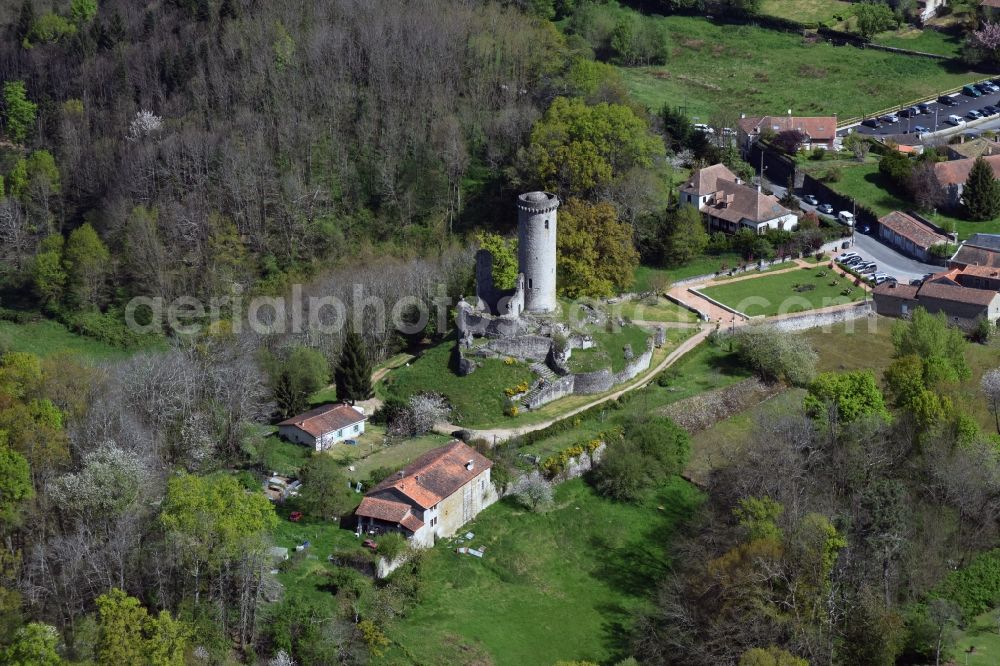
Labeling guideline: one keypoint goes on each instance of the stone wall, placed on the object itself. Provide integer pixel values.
(533, 347)
(637, 365)
(554, 390)
(598, 381)
(807, 321)
(580, 465)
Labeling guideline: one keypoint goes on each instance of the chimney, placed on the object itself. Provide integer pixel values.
(789, 113)
(469, 465)
(742, 116)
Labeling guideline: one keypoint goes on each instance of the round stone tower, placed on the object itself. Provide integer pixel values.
(536, 249)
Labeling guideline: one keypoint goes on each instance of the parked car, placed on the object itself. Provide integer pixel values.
(971, 91)
(947, 100)
(925, 107)
(853, 261)
(983, 88)
(825, 208)
(703, 128)
(989, 110)
(295, 516)
(974, 115)
(889, 118)
(872, 122)
(846, 217)
(955, 120)
(810, 199)
(847, 255)
(866, 269)
(909, 112)
(728, 131)
(920, 129)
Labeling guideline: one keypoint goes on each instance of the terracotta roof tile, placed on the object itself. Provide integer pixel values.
(817, 128)
(382, 509)
(912, 229)
(904, 291)
(946, 292)
(955, 172)
(436, 474)
(328, 418)
(976, 256)
(705, 181)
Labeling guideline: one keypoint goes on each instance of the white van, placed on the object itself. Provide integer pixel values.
(955, 120)
(846, 217)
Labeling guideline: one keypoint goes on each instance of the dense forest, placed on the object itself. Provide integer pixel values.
(231, 148)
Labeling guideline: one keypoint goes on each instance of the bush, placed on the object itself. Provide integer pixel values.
(775, 355)
(622, 474)
(391, 545)
(833, 175)
(974, 588)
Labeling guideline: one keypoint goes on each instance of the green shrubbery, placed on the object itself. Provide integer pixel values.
(652, 450)
(974, 588)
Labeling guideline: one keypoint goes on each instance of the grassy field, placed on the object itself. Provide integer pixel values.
(806, 11)
(366, 457)
(927, 40)
(778, 294)
(476, 399)
(646, 277)
(867, 186)
(983, 635)
(47, 337)
(747, 69)
(562, 585)
(653, 309)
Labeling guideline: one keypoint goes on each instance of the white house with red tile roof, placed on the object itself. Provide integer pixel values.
(729, 205)
(324, 426)
(432, 497)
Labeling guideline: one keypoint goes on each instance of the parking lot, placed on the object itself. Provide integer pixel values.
(936, 117)
(889, 261)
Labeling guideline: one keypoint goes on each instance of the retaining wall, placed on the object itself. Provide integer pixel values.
(533, 347)
(554, 390)
(633, 368)
(598, 381)
(807, 321)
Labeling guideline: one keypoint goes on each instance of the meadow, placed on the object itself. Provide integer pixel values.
(746, 69)
(559, 585)
(46, 338)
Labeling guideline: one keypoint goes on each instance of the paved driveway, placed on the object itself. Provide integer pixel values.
(889, 261)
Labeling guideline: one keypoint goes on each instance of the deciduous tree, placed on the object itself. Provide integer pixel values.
(326, 493)
(596, 255)
(19, 111)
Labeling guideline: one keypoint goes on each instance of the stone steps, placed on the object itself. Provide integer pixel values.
(545, 373)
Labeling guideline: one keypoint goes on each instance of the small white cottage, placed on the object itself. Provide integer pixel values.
(324, 426)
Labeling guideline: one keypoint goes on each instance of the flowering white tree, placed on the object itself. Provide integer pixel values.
(427, 409)
(984, 43)
(533, 491)
(145, 123)
(281, 659)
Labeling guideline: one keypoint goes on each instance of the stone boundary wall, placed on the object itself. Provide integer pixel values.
(816, 320)
(676, 301)
(583, 463)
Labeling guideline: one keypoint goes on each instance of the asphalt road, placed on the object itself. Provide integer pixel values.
(870, 248)
(937, 117)
(889, 261)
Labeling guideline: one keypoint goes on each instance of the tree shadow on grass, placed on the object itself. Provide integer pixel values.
(638, 563)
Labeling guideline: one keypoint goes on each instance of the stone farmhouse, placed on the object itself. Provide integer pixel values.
(951, 176)
(820, 131)
(432, 497)
(729, 205)
(963, 306)
(324, 426)
(909, 235)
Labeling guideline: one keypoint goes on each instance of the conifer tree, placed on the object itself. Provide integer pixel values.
(353, 375)
(982, 192)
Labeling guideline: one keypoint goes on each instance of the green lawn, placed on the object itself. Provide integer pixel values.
(806, 11)
(371, 454)
(982, 634)
(778, 294)
(653, 309)
(476, 399)
(853, 345)
(867, 186)
(927, 40)
(282, 456)
(47, 337)
(747, 69)
(646, 277)
(562, 585)
(608, 349)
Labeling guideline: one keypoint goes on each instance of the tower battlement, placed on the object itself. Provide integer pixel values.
(536, 249)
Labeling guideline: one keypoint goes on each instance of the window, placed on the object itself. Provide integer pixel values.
(357, 428)
(529, 283)
(546, 224)
(340, 433)
(434, 521)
